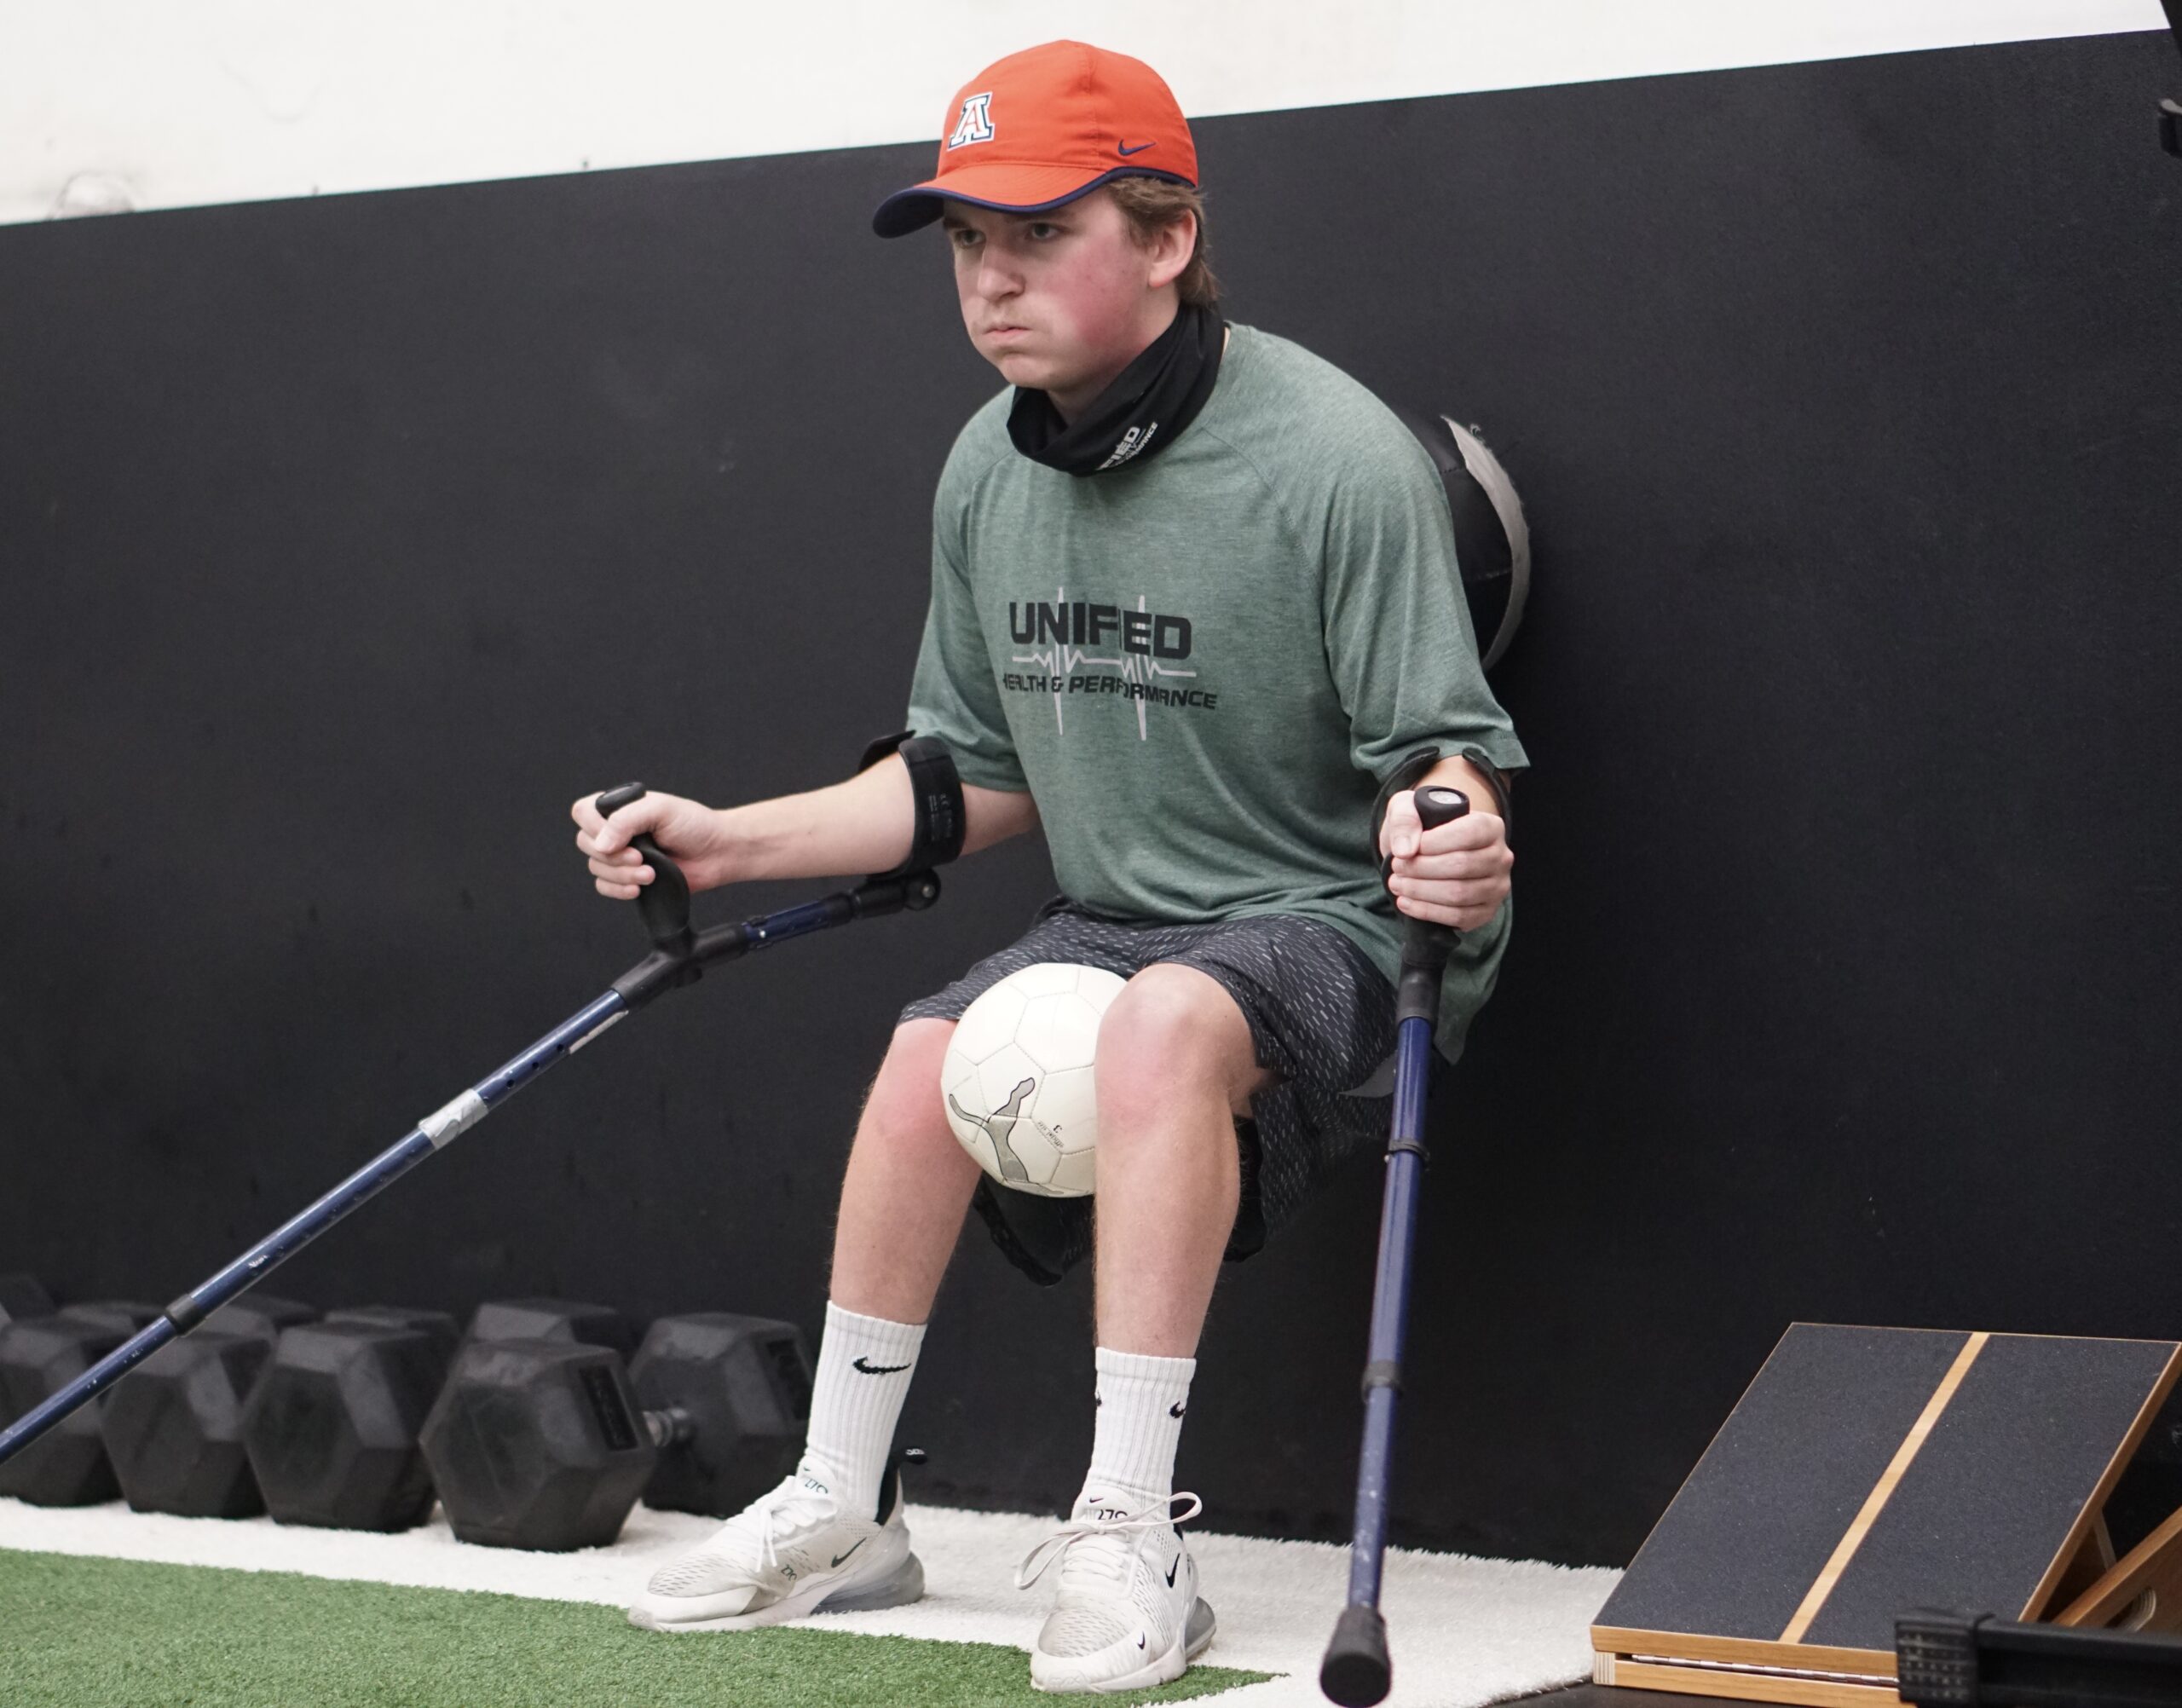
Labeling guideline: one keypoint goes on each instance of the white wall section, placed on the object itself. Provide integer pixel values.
(112, 103)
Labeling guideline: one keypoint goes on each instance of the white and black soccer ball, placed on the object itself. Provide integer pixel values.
(1017, 1081)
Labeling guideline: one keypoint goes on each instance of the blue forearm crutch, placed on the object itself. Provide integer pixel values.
(1356, 1672)
(679, 957)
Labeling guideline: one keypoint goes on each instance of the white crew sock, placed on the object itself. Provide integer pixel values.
(864, 1367)
(1141, 1402)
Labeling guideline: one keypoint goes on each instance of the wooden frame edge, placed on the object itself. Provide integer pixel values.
(1876, 1664)
(2154, 1563)
(1753, 1686)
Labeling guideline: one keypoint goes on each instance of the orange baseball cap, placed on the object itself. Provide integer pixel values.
(1043, 127)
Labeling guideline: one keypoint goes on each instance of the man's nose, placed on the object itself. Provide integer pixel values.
(998, 277)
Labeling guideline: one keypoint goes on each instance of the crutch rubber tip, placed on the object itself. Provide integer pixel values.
(1356, 1672)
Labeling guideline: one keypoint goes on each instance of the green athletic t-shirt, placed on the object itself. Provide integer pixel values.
(1202, 665)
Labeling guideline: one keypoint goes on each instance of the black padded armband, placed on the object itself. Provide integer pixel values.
(941, 820)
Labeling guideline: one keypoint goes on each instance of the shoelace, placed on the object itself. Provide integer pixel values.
(1077, 1530)
(787, 1494)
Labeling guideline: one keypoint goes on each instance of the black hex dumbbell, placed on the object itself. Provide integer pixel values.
(128, 1315)
(21, 1296)
(39, 1356)
(553, 1319)
(331, 1429)
(173, 1426)
(544, 1446)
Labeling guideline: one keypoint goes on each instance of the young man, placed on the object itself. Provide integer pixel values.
(1195, 611)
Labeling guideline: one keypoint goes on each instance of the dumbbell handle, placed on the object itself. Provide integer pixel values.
(668, 1427)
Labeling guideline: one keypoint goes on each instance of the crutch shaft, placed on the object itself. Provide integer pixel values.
(660, 972)
(1389, 1330)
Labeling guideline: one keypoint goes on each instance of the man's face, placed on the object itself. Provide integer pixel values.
(1062, 301)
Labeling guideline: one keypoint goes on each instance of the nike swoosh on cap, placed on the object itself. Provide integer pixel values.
(878, 1369)
(1126, 150)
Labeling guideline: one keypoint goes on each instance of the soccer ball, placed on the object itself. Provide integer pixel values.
(1017, 1077)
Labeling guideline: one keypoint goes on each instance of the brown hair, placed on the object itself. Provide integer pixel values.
(1150, 203)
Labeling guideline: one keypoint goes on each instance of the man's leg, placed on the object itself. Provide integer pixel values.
(1176, 1066)
(903, 1198)
(831, 1535)
(908, 1185)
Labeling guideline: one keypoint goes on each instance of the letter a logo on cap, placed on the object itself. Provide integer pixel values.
(975, 125)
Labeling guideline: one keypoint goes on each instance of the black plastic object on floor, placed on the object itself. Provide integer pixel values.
(21, 1296)
(332, 1428)
(335, 1425)
(553, 1319)
(128, 1315)
(679, 956)
(739, 1388)
(546, 1444)
(40, 1357)
(1961, 1660)
(174, 1427)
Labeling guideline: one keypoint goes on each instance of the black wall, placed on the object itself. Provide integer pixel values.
(344, 541)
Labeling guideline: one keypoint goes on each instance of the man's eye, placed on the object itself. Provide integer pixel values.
(1042, 229)
(962, 238)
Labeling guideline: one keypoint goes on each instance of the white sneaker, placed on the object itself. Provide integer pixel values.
(1127, 1615)
(791, 1552)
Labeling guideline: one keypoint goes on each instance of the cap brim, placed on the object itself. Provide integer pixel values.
(1022, 189)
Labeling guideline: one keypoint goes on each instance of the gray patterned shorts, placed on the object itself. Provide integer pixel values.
(1321, 1015)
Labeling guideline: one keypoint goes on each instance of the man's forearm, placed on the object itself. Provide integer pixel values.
(856, 826)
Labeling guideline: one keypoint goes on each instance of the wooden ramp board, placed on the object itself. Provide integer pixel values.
(1870, 1470)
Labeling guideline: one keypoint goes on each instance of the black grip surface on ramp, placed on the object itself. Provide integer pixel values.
(1740, 1546)
(1990, 1501)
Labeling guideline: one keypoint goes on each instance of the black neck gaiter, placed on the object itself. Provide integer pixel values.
(1139, 414)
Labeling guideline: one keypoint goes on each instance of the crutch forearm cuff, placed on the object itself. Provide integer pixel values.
(942, 821)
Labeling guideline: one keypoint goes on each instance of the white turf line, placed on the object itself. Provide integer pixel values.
(1464, 1631)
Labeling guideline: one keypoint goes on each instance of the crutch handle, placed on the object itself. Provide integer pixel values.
(1437, 804)
(663, 904)
(1425, 944)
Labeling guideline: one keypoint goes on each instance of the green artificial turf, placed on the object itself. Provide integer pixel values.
(76, 1632)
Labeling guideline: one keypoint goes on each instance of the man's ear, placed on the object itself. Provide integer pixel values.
(1171, 250)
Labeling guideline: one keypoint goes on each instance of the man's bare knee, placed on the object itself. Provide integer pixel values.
(902, 1106)
(1172, 1023)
